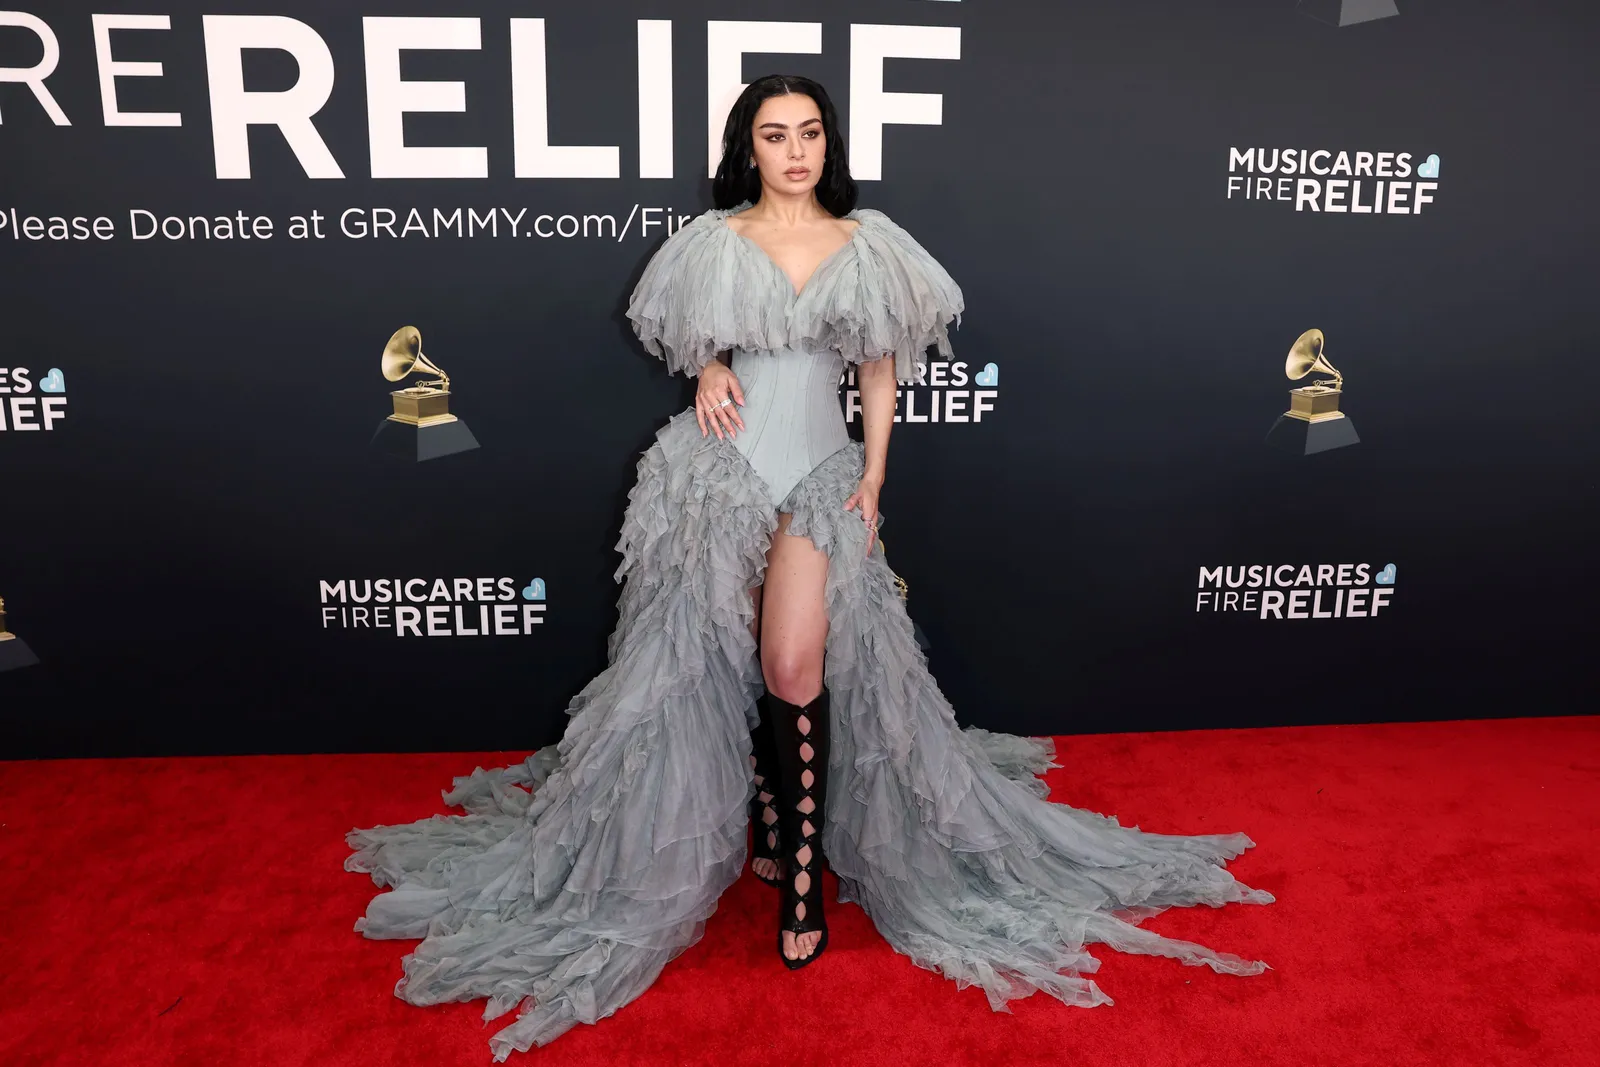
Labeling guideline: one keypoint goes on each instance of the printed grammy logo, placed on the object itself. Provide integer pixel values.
(14, 652)
(1313, 422)
(421, 427)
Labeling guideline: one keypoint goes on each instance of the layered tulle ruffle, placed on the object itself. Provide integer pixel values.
(888, 297)
(574, 877)
(571, 900)
(705, 291)
(709, 289)
(962, 868)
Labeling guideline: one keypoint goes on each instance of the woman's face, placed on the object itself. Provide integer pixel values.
(789, 142)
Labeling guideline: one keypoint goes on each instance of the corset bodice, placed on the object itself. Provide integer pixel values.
(791, 412)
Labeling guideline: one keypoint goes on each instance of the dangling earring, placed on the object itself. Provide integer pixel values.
(752, 163)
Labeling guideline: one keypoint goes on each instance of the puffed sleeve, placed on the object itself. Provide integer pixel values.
(699, 296)
(892, 297)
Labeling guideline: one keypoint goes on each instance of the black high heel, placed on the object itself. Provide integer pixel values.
(801, 733)
(764, 840)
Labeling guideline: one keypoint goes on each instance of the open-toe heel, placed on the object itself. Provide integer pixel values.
(801, 733)
(764, 833)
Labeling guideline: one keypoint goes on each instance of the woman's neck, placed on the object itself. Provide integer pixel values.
(793, 209)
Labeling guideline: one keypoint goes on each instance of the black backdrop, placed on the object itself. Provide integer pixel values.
(162, 545)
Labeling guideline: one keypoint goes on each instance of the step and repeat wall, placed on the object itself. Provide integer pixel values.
(1272, 402)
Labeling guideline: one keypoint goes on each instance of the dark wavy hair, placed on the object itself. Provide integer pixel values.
(737, 181)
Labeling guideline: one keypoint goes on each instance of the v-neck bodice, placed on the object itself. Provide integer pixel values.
(791, 394)
(821, 264)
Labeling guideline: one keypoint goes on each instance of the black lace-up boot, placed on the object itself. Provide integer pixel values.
(801, 733)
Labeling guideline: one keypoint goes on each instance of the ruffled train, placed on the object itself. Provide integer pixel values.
(575, 876)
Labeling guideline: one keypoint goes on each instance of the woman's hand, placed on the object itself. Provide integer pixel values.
(866, 497)
(717, 384)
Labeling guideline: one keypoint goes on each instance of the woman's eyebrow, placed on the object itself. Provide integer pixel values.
(784, 125)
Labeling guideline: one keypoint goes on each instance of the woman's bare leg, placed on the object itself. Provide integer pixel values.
(794, 632)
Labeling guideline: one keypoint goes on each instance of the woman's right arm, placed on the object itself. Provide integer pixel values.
(718, 383)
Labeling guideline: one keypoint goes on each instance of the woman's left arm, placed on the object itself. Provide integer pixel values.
(875, 381)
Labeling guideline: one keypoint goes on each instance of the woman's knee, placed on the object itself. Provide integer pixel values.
(791, 677)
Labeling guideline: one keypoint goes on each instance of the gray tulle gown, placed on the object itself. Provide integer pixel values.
(577, 875)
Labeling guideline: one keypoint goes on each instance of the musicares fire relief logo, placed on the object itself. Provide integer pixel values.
(1297, 591)
(1331, 182)
(946, 391)
(31, 403)
(434, 607)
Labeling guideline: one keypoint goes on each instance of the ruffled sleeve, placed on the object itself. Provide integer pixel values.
(891, 297)
(701, 294)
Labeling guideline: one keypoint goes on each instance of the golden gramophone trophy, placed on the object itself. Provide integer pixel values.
(14, 652)
(1313, 422)
(421, 426)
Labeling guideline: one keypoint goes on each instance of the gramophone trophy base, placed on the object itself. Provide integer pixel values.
(1348, 12)
(1313, 422)
(14, 653)
(1305, 436)
(419, 442)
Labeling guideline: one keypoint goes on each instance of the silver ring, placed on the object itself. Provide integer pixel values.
(725, 402)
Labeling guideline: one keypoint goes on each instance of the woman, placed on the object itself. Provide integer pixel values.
(757, 597)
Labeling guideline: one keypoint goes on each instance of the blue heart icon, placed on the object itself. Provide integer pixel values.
(1385, 576)
(54, 382)
(535, 590)
(989, 376)
(1429, 168)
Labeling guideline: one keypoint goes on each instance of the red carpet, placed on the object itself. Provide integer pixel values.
(1437, 904)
